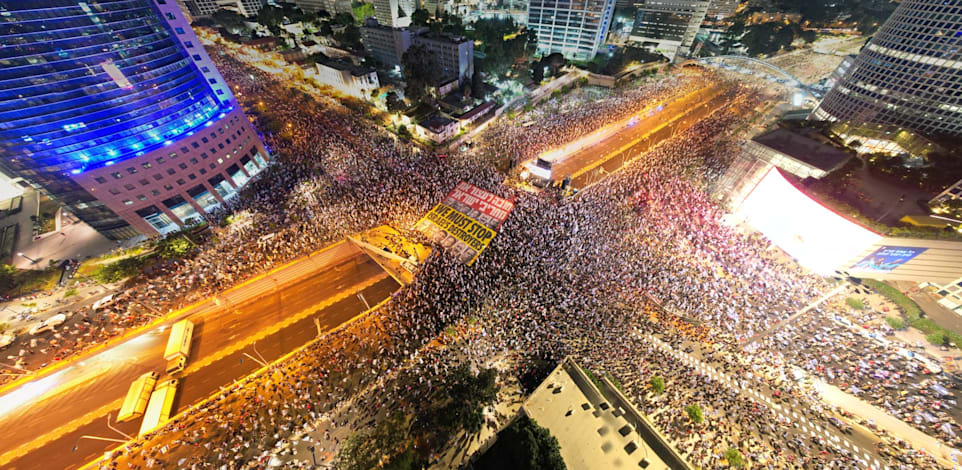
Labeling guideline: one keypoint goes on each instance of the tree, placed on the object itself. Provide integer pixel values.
(734, 458)
(343, 19)
(394, 103)
(477, 84)
(537, 72)
(694, 413)
(174, 247)
(457, 404)
(365, 449)
(524, 446)
(420, 17)
(808, 36)
(657, 384)
(231, 21)
(350, 38)
(402, 131)
(784, 36)
(554, 62)
(363, 11)
(8, 278)
(420, 71)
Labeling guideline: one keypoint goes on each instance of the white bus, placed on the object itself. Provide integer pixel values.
(159, 407)
(137, 397)
(178, 346)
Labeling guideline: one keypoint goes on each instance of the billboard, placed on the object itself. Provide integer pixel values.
(466, 221)
(818, 238)
(887, 258)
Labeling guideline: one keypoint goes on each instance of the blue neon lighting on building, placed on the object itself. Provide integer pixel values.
(60, 109)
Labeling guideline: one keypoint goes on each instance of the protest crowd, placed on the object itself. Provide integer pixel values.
(643, 252)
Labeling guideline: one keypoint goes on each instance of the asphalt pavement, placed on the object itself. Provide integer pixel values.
(592, 164)
(42, 433)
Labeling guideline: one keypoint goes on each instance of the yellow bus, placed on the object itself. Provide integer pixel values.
(137, 397)
(159, 407)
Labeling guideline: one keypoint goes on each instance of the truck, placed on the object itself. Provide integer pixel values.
(159, 406)
(137, 397)
(178, 346)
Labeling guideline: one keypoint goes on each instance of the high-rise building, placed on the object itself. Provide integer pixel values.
(114, 109)
(668, 27)
(208, 7)
(394, 13)
(454, 55)
(908, 75)
(386, 44)
(576, 28)
(720, 9)
(331, 6)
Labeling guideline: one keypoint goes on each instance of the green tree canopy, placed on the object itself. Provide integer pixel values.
(734, 458)
(420, 17)
(420, 71)
(363, 11)
(657, 384)
(523, 446)
(366, 448)
(694, 413)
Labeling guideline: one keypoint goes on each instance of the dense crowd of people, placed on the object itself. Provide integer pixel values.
(565, 276)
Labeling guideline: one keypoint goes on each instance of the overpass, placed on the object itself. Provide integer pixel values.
(793, 81)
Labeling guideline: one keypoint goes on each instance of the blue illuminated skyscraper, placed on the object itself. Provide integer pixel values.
(115, 110)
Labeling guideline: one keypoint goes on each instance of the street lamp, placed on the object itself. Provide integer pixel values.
(25, 256)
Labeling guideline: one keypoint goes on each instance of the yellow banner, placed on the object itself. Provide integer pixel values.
(466, 230)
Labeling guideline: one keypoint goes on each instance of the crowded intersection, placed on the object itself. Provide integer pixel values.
(643, 254)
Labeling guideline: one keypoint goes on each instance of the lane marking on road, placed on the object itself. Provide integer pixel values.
(274, 328)
(61, 431)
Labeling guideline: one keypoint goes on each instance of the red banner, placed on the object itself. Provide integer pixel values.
(489, 207)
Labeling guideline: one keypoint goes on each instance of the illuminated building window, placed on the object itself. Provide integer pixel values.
(116, 175)
(128, 202)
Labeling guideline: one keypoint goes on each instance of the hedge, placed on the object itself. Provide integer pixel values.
(913, 314)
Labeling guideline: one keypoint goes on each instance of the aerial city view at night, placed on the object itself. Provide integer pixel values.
(481, 234)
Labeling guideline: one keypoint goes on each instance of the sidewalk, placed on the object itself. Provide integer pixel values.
(75, 240)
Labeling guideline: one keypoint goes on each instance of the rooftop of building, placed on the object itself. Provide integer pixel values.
(597, 427)
(442, 37)
(344, 65)
(436, 123)
(808, 149)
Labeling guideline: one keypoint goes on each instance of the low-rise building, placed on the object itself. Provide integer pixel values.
(597, 426)
(437, 128)
(347, 78)
(797, 154)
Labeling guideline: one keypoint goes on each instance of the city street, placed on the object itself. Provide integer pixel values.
(590, 164)
(44, 419)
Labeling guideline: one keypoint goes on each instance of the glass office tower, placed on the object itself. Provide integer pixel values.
(908, 75)
(90, 88)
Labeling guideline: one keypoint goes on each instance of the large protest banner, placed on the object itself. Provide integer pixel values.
(466, 221)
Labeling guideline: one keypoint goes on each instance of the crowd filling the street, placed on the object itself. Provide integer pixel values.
(644, 253)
